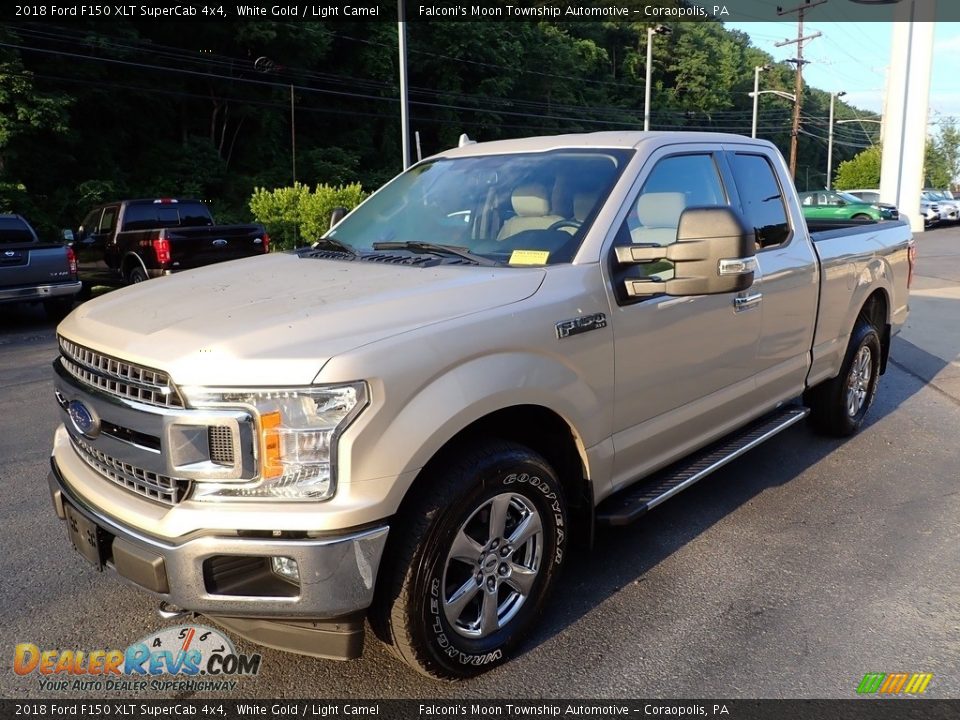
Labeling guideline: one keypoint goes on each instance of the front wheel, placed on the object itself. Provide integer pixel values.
(861, 216)
(838, 406)
(476, 556)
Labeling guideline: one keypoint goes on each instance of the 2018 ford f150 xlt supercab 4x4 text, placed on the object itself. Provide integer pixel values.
(415, 419)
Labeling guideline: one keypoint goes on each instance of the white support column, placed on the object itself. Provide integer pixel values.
(907, 105)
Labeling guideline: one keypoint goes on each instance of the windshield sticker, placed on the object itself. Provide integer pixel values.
(529, 257)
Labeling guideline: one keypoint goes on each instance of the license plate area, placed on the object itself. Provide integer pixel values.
(86, 537)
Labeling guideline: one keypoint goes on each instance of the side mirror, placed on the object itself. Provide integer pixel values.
(336, 215)
(713, 254)
(67, 235)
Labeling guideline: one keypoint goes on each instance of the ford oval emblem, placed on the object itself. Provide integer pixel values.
(220, 242)
(83, 419)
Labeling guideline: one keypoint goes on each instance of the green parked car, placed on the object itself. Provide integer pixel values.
(832, 205)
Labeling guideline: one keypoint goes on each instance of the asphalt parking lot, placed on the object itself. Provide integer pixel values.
(790, 573)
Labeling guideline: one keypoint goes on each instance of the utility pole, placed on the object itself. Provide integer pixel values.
(798, 85)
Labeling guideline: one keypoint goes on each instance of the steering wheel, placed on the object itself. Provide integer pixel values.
(560, 224)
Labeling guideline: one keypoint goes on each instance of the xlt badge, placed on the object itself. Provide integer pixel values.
(585, 323)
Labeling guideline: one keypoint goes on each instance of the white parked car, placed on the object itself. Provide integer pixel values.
(949, 208)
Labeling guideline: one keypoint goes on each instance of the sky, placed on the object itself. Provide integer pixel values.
(852, 57)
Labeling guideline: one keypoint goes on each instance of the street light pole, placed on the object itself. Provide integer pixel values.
(264, 64)
(404, 105)
(756, 95)
(833, 97)
(651, 31)
(293, 135)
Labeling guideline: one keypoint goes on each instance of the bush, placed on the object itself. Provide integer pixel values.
(862, 171)
(298, 216)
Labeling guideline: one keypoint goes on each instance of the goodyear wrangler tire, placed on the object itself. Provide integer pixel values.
(479, 551)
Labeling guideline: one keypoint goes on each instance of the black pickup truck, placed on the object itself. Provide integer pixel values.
(131, 241)
(34, 271)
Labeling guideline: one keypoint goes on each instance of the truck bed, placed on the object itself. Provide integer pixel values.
(853, 255)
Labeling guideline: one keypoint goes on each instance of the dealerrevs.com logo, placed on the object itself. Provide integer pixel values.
(205, 657)
(899, 683)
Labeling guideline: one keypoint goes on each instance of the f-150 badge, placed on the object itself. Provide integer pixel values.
(585, 323)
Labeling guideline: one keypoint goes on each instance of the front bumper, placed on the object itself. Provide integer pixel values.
(34, 293)
(229, 575)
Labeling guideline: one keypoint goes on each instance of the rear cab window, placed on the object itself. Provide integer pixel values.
(761, 198)
(15, 230)
(148, 216)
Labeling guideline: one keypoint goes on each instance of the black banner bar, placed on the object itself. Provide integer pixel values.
(113, 709)
(654, 11)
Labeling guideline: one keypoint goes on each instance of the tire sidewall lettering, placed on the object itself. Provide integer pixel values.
(444, 643)
(553, 501)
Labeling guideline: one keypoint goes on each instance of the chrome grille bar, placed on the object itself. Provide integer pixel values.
(154, 486)
(118, 377)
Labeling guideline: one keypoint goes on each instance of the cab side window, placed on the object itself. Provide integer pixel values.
(676, 183)
(106, 222)
(89, 225)
(761, 198)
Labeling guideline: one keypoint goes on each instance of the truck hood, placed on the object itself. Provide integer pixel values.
(277, 319)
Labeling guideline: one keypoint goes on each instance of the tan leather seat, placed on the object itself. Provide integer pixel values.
(532, 207)
(659, 215)
(583, 204)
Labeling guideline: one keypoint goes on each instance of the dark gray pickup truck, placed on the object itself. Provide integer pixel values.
(31, 271)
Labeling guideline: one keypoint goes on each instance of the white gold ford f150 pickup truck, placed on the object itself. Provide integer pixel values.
(416, 418)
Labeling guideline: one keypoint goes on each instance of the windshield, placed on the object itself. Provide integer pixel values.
(530, 208)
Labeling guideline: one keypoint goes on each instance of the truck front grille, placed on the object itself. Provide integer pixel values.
(118, 377)
(154, 486)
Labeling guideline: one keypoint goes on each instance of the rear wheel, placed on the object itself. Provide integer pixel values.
(838, 406)
(137, 275)
(474, 560)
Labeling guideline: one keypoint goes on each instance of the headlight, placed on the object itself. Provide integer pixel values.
(298, 430)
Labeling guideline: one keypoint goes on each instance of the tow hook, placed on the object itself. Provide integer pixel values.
(172, 612)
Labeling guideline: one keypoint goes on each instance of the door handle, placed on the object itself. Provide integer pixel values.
(745, 302)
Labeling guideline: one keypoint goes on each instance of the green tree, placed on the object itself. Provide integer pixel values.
(936, 166)
(862, 171)
(947, 153)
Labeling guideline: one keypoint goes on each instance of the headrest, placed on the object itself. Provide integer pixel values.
(530, 201)
(661, 209)
(583, 203)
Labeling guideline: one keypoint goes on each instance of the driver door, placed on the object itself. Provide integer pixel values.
(684, 366)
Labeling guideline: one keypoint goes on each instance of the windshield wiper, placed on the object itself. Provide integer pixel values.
(437, 249)
(333, 242)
